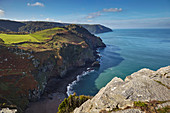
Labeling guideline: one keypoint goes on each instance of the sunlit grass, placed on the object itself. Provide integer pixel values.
(9, 38)
(45, 34)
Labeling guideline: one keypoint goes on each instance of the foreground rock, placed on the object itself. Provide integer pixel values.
(137, 91)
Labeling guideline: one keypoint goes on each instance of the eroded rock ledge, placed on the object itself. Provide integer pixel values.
(145, 87)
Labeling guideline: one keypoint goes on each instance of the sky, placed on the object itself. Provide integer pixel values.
(111, 13)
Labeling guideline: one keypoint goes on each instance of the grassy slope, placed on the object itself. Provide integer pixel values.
(35, 37)
(9, 39)
(45, 34)
(52, 38)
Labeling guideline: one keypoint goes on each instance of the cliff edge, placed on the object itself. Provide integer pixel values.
(143, 91)
(96, 28)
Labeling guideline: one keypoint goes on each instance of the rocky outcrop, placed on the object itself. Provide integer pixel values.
(7, 110)
(137, 90)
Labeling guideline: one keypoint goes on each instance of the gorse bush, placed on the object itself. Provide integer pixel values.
(70, 103)
(140, 104)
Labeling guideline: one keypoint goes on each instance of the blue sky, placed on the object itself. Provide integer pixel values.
(112, 13)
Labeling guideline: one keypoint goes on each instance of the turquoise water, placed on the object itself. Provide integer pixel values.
(127, 51)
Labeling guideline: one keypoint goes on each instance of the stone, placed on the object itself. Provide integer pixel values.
(96, 64)
(145, 85)
(7, 110)
(129, 111)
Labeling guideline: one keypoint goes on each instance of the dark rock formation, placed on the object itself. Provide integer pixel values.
(96, 64)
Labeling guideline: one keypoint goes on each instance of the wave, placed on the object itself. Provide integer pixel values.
(70, 90)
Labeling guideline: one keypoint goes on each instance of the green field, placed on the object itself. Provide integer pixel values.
(45, 34)
(9, 39)
(39, 36)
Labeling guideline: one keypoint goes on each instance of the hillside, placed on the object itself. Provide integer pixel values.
(96, 29)
(145, 91)
(33, 26)
(38, 26)
(28, 61)
(7, 25)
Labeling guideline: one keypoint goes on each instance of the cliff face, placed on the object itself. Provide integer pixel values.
(143, 91)
(26, 66)
(96, 29)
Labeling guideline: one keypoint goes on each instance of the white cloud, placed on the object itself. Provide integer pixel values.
(59, 21)
(93, 15)
(89, 20)
(99, 13)
(49, 19)
(112, 10)
(36, 4)
(2, 12)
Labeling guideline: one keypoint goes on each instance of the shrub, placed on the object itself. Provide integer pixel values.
(70, 103)
(140, 104)
(164, 110)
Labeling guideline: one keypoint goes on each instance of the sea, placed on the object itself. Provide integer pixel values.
(127, 51)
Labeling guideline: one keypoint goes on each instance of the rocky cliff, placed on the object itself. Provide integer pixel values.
(26, 66)
(96, 28)
(143, 91)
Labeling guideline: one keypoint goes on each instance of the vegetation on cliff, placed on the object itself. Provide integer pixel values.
(70, 103)
(149, 107)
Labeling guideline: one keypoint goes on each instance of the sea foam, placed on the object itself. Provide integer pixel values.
(70, 90)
